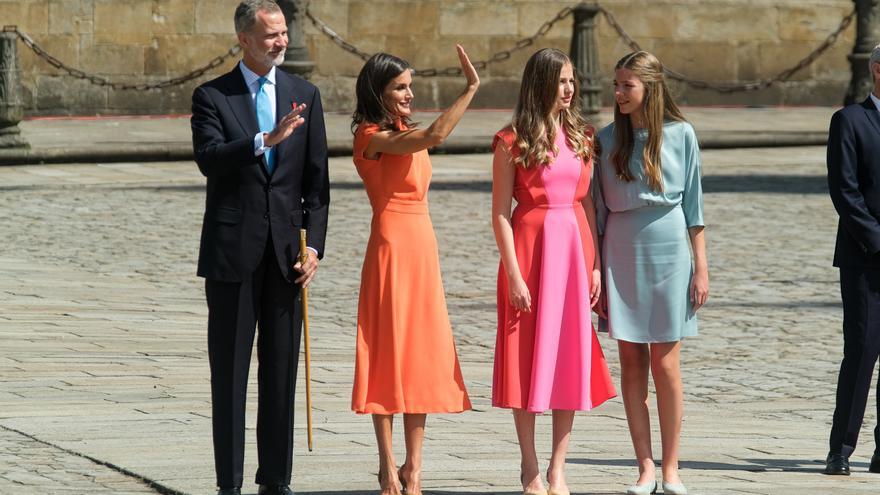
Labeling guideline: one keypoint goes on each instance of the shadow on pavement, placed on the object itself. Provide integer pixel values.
(812, 466)
(780, 184)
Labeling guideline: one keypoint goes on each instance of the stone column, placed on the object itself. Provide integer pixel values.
(296, 58)
(11, 104)
(585, 57)
(867, 37)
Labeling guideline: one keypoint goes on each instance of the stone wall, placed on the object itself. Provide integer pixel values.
(152, 40)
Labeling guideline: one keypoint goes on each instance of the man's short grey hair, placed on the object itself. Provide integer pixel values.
(246, 13)
(875, 57)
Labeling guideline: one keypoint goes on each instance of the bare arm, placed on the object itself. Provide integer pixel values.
(596, 279)
(411, 141)
(503, 174)
(699, 290)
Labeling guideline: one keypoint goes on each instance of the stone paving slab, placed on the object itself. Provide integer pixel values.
(103, 348)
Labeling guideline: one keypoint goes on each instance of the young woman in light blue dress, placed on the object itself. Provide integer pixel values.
(651, 207)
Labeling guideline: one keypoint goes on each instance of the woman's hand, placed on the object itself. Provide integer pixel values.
(601, 307)
(518, 292)
(467, 68)
(595, 287)
(699, 290)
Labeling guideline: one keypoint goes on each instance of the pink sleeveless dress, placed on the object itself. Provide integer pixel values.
(550, 358)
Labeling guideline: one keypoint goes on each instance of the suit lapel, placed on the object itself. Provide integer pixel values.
(285, 96)
(872, 113)
(242, 104)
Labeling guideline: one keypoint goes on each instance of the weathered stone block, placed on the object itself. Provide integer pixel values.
(215, 16)
(31, 17)
(13, 12)
(532, 15)
(442, 55)
(714, 21)
(686, 95)
(513, 67)
(707, 60)
(71, 16)
(122, 22)
(332, 61)
(335, 14)
(830, 93)
(809, 23)
(481, 18)
(125, 60)
(499, 92)
(644, 21)
(612, 49)
(398, 18)
(774, 57)
(173, 17)
(135, 102)
(337, 93)
(64, 47)
(747, 61)
(175, 55)
(58, 95)
(833, 65)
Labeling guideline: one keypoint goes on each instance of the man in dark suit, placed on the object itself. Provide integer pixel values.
(266, 169)
(854, 184)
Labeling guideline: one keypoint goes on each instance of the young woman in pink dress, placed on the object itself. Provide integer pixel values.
(547, 356)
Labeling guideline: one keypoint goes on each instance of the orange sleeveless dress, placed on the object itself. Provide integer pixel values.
(406, 360)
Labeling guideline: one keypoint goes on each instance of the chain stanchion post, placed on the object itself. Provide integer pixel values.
(867, 37)
(296, 58)
(585, 57)
(11, 102)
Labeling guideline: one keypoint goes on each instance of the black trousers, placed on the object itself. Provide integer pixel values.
(860, 291)
(266, 299)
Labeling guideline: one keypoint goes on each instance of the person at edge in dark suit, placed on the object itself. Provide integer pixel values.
(266, 169)
(854, 184)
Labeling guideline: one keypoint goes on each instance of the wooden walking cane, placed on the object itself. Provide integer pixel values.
(304, 297)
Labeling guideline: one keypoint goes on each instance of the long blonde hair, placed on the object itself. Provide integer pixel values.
(658, 107)
(533, 125)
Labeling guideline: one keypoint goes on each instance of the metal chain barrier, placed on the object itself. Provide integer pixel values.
(747, 86)
(447, 71)
(100, 81)
(609, 17)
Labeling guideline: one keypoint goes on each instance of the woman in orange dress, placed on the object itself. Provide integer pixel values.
(406, 360)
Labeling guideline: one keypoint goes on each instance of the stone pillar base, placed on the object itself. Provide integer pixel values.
(10, 137)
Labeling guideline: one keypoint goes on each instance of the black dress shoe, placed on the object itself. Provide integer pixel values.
(275, 490)
(875, 464)
(836, 464)
(229, 491)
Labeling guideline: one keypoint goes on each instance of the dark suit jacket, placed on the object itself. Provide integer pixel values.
(242, 201)
(854, 184)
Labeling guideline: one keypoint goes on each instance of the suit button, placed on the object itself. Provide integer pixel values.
(268, 188)
(266, 216)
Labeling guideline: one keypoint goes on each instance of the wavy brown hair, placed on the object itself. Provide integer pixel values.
(658, 108)
(533, 125)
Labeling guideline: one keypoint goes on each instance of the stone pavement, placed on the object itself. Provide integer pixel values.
(165, 138)
(103, 363)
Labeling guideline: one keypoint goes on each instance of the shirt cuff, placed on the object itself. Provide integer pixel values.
(310, 248)
(259, 146)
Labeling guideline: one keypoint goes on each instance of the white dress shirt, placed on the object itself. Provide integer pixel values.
(876, 101)
(252, 79)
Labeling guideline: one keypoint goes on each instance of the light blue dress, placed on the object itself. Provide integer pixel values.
(646, 252)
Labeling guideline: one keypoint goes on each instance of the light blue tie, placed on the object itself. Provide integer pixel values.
(265, 120)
